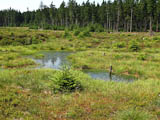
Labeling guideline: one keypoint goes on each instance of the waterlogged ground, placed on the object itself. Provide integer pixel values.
(27, 93)
(53, 59)
(56, 60)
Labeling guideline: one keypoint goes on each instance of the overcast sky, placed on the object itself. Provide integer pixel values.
(33, 4)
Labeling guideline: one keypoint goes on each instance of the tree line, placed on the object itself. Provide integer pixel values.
(115, 15)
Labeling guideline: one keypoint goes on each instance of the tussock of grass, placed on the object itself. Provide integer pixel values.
(133, 114)
(18, 63)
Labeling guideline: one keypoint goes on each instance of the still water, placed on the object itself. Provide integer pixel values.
(56, 60)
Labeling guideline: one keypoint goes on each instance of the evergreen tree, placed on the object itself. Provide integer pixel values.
(113, 15)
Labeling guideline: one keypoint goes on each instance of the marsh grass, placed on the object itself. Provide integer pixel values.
(39, 56)
(139, 65)
(18, 63)
(27, 93)
(133, 114)
(13, 57)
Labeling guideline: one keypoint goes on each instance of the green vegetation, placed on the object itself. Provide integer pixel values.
(133, 114)
(129, 53)
(14, 57)
(65, 81)
(21, 39)
(28, 93)
(111, 15)
(39, 56)
(140, 65)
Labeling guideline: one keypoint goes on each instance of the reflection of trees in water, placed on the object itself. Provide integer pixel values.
(49, 57)
(54, 59)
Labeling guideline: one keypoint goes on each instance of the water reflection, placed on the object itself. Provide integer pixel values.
(106, 76)
(56, 60)
(53, 60)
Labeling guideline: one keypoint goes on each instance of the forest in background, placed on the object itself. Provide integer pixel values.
(117, 15)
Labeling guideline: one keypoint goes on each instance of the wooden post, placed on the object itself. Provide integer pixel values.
(110, 71)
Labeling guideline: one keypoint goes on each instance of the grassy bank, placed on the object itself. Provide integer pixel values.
(141, 65)
(30, 93)
(27, 94)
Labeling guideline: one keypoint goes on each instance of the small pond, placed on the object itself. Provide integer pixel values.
(56, 60)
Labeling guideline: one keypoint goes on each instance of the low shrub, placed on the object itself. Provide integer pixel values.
(66, 34)
(95, 28)
(142, 57)
(33, 27)
(96, 41)
(5, 41)
(99, 28)
(134, 46)
(76, 32)
(47, 27)
(65, 81)
(157, 38)
(85, 33)
(35, 40)
(23, 39)
(119, 45)
(91, 28)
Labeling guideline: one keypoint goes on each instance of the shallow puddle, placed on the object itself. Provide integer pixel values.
(56, 60)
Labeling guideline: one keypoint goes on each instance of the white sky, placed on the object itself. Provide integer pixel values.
(33, 4)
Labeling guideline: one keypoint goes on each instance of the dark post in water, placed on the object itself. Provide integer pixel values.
(110, 72)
